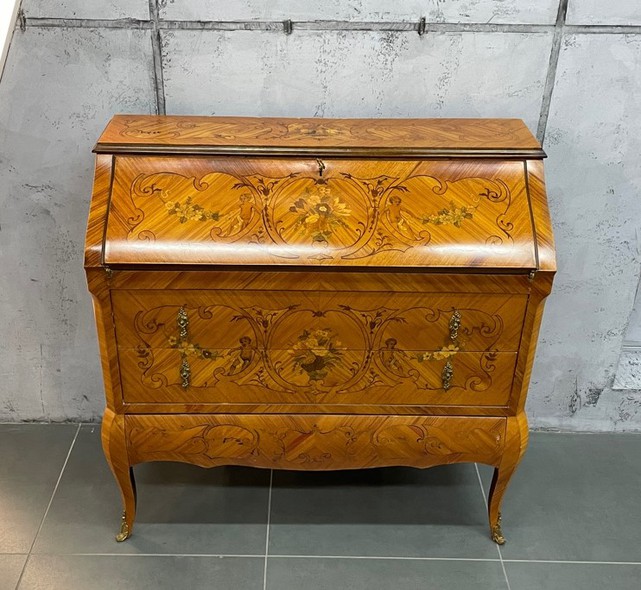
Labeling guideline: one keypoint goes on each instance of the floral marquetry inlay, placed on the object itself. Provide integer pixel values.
(187, 211)
(316, 352)
(343, 350)
(346, 216)
(319, 214)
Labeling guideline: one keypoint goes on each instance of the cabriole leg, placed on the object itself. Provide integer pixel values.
(115, 448)
(516, 439)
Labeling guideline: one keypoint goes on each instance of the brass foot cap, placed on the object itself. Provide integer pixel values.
(497, 533)
(124, 533)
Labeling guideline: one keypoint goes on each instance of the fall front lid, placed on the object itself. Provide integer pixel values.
(331, 210)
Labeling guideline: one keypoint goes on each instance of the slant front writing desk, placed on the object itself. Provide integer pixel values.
(317, 293)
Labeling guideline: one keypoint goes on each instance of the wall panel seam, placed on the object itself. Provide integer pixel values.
(277, 26)
(156, 49)
(550, 79)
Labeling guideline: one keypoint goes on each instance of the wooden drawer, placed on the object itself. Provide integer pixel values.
(314, 442)
(317, 348)
(338, 377)
(279, 320)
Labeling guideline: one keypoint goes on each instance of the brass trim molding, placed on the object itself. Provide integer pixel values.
(337, 151)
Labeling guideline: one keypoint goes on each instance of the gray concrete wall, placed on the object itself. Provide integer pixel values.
(572, 72)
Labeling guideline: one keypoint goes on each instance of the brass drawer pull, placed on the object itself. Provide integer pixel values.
(455, 324)
(183, 323)
(185, 372)
(447, 374)
(183, 332)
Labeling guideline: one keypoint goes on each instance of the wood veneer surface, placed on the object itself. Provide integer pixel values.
(317, 294)
(401, 135)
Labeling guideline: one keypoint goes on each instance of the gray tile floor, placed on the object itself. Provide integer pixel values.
(572, 517)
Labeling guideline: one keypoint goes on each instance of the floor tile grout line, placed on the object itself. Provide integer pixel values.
(478, 475)
(55, 489)
(507, 580)
(269, 518)
(24, 567)
(207, 555)
(356, 557)
(44, 516)
(571, 562)
(262, 556)
(384, 557)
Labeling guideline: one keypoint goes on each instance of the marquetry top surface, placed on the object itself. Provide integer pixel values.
(284, 136)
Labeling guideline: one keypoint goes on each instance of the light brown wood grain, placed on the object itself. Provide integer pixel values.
(338, 294)
(527, 350)
(276, 278)
(541, 216)
(115, 448)
(479, 379)
(361, 321)
(333, 136)
(315, 442)
(106, 339)
(94, 240)
(515, 445)
(355, 213)
(314, 408)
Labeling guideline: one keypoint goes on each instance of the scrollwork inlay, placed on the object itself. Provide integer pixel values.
(315, 360)
(334, 217)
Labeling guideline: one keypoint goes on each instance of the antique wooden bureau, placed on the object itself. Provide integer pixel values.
(317, 293)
